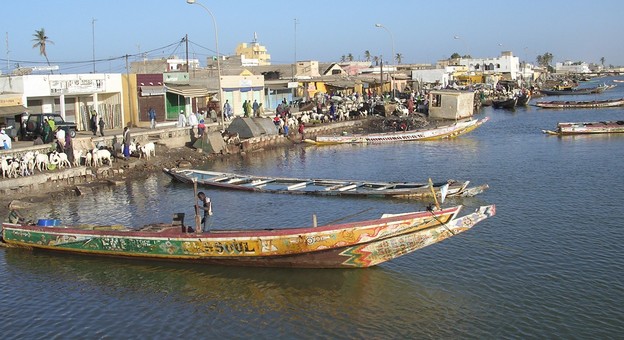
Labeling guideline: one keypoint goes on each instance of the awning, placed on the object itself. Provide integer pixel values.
(188, 90)
(12, 110)
(147, 91)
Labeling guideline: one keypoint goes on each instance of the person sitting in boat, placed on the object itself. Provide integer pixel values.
(206, 206)
(14, 215)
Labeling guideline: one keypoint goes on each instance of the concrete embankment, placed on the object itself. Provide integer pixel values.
(167, 139)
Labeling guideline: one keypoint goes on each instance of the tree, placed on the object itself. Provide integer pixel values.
(41, 41)
(350, 57)
(602, 61)
(398, 57)
(343, 58)
(367, 55)
(544, 60)
(376, 60)
(455, 55)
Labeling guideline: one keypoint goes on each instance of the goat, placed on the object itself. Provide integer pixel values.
(59, 158)
(101, 155)
(147, 150)
(41, 161)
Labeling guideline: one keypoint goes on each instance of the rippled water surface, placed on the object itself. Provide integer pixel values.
(549, 264)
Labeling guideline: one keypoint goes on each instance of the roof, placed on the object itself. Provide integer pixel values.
(188, 90)
(12, 110)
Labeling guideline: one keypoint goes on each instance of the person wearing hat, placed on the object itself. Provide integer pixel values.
(181, 119)
(5, 139)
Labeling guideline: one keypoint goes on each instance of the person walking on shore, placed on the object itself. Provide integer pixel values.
(151, 114)
(126, 143)
(227, 110)
(101, 124)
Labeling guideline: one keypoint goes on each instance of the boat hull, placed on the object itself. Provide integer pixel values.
(350, 245)
(587, 128)
(323, 187)
(443, 132)
(560, 104)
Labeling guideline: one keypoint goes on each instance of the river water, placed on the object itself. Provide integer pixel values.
(548, 265)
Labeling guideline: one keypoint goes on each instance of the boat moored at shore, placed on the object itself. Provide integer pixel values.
(347, 245)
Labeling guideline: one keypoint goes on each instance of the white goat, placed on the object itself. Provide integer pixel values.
(41, 161)
(99, 156)
(147, 150)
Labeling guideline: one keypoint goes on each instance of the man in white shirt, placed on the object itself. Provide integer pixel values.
(5, 140)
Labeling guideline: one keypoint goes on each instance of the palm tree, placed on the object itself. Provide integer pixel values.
(398, 57)
(367, 55)
(41, 40)
(376, 60)
(343, 58)
(602, 60)
(350, 57)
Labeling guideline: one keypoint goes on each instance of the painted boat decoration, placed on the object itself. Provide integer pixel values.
(582, 128)
(324, 187)
(347, 245)
(446, 131)
(564, 104)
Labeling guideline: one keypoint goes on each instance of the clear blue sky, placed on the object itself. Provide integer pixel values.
(423, 31)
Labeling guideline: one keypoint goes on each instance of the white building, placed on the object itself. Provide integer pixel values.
(570, 67)
(506, 64)
(74, 96)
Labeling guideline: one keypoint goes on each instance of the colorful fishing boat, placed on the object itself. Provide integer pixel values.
(441, 132)
(583, 128)
(347, 245)
(324, 187)
(565, 104)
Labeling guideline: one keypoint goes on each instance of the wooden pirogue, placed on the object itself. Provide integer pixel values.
(440, 132)
(324, 187)
(347, 245)
(586, 128)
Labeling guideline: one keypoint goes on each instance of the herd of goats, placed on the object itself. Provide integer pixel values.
(13, 167)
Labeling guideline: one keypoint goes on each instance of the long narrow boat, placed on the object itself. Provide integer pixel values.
(441, 132)
(583, 128)
(564, 104)
(323, 187)
(505, 103)
(573, 91)
(346, 245)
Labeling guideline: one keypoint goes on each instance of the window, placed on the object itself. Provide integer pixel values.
(437, 100)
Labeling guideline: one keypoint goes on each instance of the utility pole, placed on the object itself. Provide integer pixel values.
(93, 37)
(187, 59)
(7, 48)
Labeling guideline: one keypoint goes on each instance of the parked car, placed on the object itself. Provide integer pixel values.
(34, 125)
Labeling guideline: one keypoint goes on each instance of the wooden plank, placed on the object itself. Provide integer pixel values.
(297, 186)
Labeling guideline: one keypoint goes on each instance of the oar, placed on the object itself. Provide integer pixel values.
(197, 218)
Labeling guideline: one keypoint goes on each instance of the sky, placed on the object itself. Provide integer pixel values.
(88, 34)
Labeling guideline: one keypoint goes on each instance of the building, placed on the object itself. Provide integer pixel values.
(254, 50)
(570, 67)
(506, 65)
(73, 96)
(451, 104)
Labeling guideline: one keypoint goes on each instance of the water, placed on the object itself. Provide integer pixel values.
(549, 264)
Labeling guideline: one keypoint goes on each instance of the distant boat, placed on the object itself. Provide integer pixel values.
(582, 128)
(324, 187)
(505, 103)
(441, 132)
(523, 99)
(357, 244)
(574, 91)
(562, 104)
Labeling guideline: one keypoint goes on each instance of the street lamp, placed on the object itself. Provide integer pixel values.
(393, 55)
(214, 22)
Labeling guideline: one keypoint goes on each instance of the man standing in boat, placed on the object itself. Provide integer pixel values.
(206, 206)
